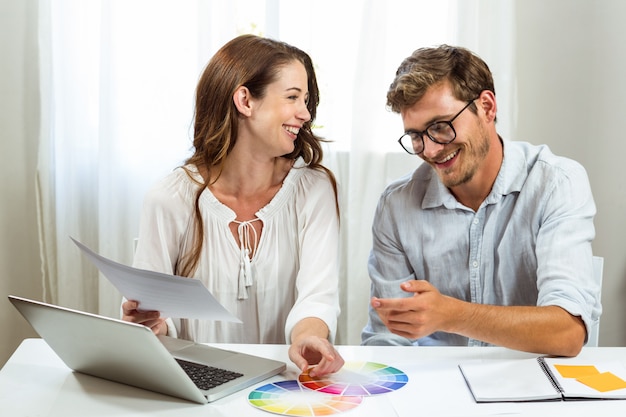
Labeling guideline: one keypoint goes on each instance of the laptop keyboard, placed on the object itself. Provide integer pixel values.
(207, 377)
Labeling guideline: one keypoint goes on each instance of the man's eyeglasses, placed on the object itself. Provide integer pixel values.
(439, 132)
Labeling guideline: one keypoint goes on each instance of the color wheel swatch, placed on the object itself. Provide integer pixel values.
(290, 399)
(357, 379)
(330, 394)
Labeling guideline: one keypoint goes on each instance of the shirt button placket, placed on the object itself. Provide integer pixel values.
(475, 243)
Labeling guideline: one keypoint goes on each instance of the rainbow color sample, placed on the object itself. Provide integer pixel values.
(288, 398)
(357, 379)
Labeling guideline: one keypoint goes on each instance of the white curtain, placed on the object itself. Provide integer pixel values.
(117, 87)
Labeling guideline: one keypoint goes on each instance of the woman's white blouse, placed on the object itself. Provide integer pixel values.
(292, 275)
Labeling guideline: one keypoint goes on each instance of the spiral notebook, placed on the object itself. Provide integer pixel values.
(544, 379)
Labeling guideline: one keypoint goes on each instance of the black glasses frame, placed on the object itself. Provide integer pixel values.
(414, 133)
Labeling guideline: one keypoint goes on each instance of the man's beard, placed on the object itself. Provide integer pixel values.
(473, 157)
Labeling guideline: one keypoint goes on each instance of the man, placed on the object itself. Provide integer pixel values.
(489, 241)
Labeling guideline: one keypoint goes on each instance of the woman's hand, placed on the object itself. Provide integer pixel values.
(151, 319)
(314, 350)
(310, 346)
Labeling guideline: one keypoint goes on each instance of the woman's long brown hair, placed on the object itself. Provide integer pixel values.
(253, 62)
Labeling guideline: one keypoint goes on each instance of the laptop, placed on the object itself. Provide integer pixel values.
(131, 354)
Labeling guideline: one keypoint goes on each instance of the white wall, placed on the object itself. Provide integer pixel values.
(571, 64)
(572, 96)
(19, 250)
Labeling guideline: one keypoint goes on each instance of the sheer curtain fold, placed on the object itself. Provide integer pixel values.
(118, 81)
(117, 107)
(487, 27)
(66, 169)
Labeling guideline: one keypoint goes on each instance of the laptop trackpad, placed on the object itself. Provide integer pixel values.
(203, 354)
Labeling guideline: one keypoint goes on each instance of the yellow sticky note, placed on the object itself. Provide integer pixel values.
(576, 371)
(603, 382)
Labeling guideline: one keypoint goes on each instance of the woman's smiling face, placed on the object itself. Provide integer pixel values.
(277, 117)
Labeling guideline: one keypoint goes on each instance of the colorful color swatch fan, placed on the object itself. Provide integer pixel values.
(290, 399)
(357, 379)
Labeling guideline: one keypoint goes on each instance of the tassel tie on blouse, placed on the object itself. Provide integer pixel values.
(246, 247)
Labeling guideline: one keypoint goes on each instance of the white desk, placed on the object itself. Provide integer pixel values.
(34, 382)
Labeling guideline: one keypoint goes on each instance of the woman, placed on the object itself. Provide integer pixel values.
(252, 213)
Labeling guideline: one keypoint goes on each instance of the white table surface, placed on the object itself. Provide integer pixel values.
(35, 382)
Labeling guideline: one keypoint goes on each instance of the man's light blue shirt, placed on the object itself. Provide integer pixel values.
(528, 244)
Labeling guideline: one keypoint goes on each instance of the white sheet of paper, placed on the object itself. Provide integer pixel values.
(173, 296)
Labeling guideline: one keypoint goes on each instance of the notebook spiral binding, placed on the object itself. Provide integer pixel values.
(544, 367)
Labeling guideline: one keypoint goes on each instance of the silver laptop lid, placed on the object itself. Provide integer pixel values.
(125, 352)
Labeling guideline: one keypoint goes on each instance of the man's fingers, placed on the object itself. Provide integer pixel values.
(416, 286)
